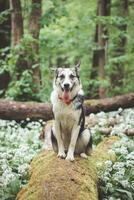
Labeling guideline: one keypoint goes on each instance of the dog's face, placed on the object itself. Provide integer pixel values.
(67, 82)
(67, 79)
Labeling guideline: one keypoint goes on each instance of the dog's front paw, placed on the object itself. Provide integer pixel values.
(70, 157)
(61, 155)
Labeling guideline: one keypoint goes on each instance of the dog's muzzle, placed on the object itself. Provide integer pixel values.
(66, 87)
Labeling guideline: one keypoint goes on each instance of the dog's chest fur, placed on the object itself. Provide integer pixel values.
(66, 115)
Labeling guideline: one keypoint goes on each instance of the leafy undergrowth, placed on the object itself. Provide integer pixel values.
(117, 177)
(116, 122)
(19, 143)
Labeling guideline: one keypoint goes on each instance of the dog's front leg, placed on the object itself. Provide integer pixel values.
(61, 150)
(74, 136)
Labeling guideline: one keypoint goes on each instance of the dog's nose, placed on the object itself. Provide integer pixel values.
(66, 86)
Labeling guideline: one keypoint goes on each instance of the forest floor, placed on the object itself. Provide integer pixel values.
(19, 143)
(102, 124)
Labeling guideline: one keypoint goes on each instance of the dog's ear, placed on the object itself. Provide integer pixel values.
(55, 71)
(77, 68)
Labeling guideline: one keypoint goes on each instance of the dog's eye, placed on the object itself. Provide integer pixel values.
(72, 76)
(61, 76)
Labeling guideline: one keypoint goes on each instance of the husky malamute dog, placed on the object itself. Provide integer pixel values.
(68, 133)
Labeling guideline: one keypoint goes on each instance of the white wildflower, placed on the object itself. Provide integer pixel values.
(125, 183)
(118, 165)
(129, 163)
(130, 156)
(28, 119)
(109, 185)
(22, 169)
(101, 115)
(108, 163)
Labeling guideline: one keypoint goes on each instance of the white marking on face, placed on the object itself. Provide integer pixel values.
(67, 78)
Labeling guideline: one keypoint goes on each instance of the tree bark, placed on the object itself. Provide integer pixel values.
(4, 81)
(16, 21)
(5, 25)
(55, 179)
(5, 35)
(28, 58)
(101, 39)
(34, 30)
(21, 110)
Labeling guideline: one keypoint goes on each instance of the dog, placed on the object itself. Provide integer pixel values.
(68, 134)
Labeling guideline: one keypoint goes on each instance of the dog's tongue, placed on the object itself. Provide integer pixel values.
(66, 97)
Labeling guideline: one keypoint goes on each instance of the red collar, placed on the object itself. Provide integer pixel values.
(68, 102)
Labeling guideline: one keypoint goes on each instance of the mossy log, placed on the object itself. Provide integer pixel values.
(14, 110)
(57, 179)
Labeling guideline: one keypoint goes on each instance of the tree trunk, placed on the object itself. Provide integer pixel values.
(21, 110)
(34, 30)
(29, 57)
(55, 179)
(5, 25)
(101, 39)
(16, 21)
(5, 35)
(120, 45)
(4, 81)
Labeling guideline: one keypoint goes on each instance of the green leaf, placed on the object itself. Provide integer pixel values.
(129, 194)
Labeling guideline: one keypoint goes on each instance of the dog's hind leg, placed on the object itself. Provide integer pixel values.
(54, 142)
(89, 146)
(84, 143)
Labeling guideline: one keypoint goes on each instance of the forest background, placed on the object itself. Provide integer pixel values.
(36, 35)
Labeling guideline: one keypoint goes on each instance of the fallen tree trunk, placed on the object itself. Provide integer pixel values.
(13, 110)
(109, 104)
(56, 179)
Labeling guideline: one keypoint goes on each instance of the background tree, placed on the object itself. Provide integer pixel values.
(5, 28)
(5, 34)
(25, 39)
(121, 11)
(101, 40)
(34, 30)
(57, 33)
(16, 21)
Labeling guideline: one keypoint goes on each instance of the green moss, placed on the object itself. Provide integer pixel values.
(92, 102)
(56, 179)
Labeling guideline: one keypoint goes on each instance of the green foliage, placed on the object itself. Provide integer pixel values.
(4, 15)
(19, 143)
(97, 138)
(3, 62)
(22, 88)
(18, 63)
(117, 179)
(66, 36)
(11, 191)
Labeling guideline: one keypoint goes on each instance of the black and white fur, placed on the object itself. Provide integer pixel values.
(68, 133)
